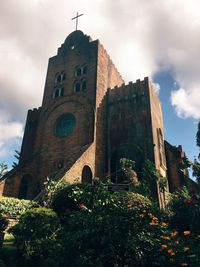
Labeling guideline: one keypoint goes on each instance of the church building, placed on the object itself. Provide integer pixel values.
(88, 120)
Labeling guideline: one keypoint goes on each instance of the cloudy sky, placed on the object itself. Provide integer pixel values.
(159, 39)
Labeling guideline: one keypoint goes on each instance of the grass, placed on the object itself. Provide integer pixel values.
(8, 239)
(8, 252)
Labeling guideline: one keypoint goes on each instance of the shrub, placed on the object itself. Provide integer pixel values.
(185, 210)
(36, 236)
(131, 199)
(111, 236)
(62, 201)
(71, 197)
(13, 207)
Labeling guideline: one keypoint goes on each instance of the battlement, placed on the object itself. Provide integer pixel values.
(33, 114)
(128, 91)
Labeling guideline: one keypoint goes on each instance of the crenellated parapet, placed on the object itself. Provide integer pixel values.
(129, 91)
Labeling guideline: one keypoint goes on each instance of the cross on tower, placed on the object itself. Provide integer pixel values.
(77, 16)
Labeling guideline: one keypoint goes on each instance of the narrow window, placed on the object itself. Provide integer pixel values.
(58, 80)
(62, 91)
(63, 76)
(78, 72)
(77, 87)
(84, 85)
(56, 93)
(84, 70)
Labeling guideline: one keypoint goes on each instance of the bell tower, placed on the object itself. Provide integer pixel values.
(66, 136)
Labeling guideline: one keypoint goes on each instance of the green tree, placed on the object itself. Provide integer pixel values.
(196, 170)
(3, 169)
(196, 163)
(198, 135)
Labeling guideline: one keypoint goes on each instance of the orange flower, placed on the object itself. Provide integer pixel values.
(186, 233)
(154, 218)
(165, 237)
(185, 249)
(164, 247)
(81, 206)
(164, 224)
(174, 233)
(153, 223)
(184, 264)
(171, 252)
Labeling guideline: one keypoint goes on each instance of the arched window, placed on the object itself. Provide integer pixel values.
(84, 70)
(77, 86)
(62, 91)
(58, 79)
(58, 92)
(84, 85)
(78, 71)
(63, 77)
(86, 175)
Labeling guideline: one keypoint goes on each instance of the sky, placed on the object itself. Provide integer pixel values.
(158, 39)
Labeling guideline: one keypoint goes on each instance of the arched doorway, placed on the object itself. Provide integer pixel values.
(86, 175)
(128, 151)
(24, 186)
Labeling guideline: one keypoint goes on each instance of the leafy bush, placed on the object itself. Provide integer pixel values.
(36, 235)
(112, 236)
(134, 200)
(13, 207)
(71, 197)
(185, 210)
(104, 229)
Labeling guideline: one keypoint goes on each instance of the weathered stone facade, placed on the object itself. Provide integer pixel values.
(178, 176)
(103, 120)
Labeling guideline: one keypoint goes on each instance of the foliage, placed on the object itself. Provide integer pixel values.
(3, 223)
(36, 235)
(126, 174)
(69, 197)
(104, 229)
(180, 248)
(198, 135)
(13, 207)
(149, 178)
(127, 164)
(110, 237)
(185, 210)
(196, 170)
(3, 169)
(50, 187)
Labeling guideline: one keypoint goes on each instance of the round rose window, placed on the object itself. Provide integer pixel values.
(65, 124)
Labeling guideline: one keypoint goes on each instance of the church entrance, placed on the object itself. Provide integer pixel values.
(86, 175)
(24, 185)
(127, 151)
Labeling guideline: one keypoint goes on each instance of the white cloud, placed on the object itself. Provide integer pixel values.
(10, 135)
(157, 87)
(186, 102)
